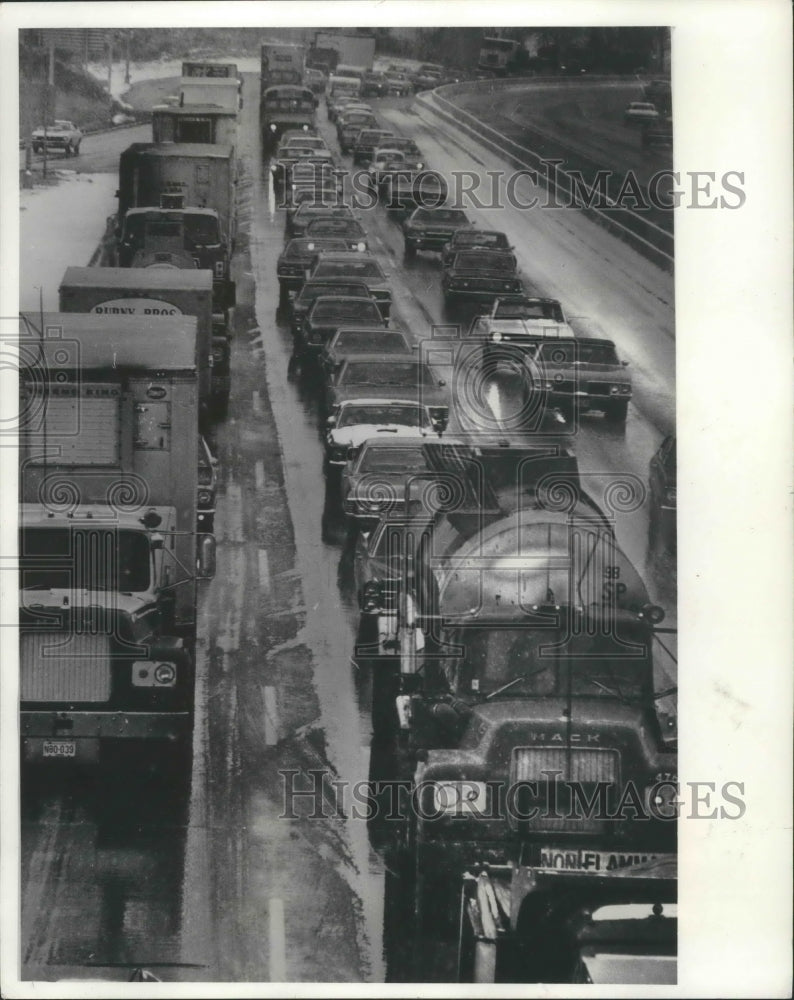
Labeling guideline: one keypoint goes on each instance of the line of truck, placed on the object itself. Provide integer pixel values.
(118, 389)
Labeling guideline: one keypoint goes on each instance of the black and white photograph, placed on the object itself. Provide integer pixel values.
(344, 374)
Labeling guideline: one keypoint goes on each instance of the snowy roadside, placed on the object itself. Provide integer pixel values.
(156, 70)
(59, 227)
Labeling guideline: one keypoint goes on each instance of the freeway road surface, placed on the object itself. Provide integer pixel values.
(217, 873)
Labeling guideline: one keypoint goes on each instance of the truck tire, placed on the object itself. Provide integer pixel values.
(616, 412)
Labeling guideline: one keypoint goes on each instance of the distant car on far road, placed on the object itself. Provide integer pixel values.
(639, 112)
(61, 136)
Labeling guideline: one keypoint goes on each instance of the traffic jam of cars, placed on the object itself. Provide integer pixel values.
(521, 758)
(462, 563)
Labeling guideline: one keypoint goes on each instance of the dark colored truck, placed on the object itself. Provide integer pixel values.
(109, 554)
(530, 739)
(195, 179)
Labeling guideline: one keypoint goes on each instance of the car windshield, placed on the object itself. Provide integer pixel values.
(562, 353)
(361, 310)
(479, 239)
(529, 310)
(440, 216)
(318, 196)
(313, 211)
(197, 229)
(548, 662)
(472, 260)
(389, 156)
(370, 135)
(377, 459)
(348, 227)
(355, 342)
(353, 268)
(79, 558)
(405, 374)
(310, 292)
(391, 413)
(305, 142)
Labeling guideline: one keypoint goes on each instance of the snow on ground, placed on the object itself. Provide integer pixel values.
(157, 70)
(60, 226)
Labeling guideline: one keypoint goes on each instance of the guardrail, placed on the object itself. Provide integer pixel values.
(653, 241)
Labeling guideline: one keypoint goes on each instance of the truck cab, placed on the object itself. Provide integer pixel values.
(109, 554)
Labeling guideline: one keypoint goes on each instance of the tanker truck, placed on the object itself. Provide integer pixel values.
(109, 554)
(528, 733)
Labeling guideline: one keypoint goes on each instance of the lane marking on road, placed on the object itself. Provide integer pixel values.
(256, 403)
(278, 944)
(264, 571)
(259, 474)
(271, 716)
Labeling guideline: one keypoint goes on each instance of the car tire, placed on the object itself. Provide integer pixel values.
(77, 149)
(410, 251)
(617, 411)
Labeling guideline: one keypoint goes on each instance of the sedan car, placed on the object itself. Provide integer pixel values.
(432, 228)
(522, 319)
(348, 342)
(349, 230)
(380, 375)
(327, 315)
(398, 84)
(581, 375)
(297, 256)
(349, 126)
(479, 276)
(357, 420)
(309, 211)
(402, 193)
(366, 142)
(663, 499)
(474, 239)
(311, 290)
(374, 85)
(384, 472)
(639, 112)
(354, 266)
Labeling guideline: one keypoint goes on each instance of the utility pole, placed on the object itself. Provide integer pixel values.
(110, 64)
(49, 88)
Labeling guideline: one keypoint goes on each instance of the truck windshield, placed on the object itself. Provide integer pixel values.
(81, 558)
(539, 661)
(197, 229)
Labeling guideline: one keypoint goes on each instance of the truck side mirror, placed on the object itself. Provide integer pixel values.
(206, 557)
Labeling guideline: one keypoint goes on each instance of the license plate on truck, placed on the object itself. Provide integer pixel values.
(59, 748)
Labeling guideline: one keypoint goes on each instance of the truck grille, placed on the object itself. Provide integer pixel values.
(61, 666)
(584, 766)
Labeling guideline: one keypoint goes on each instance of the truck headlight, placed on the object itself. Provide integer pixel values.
(460, 797)
(662, 800)
(272, 127)
(496, 336)
(205, 498)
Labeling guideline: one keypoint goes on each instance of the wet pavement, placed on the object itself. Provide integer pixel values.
(195, 873)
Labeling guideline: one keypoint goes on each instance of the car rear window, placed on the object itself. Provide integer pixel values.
(475, 261)
(392, 460)
(383, 414)
(440, 216)
(360, 309)
(556, 353)
(529, 310)
(357, 268)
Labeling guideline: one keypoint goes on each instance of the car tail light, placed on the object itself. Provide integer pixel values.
(371, 596)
